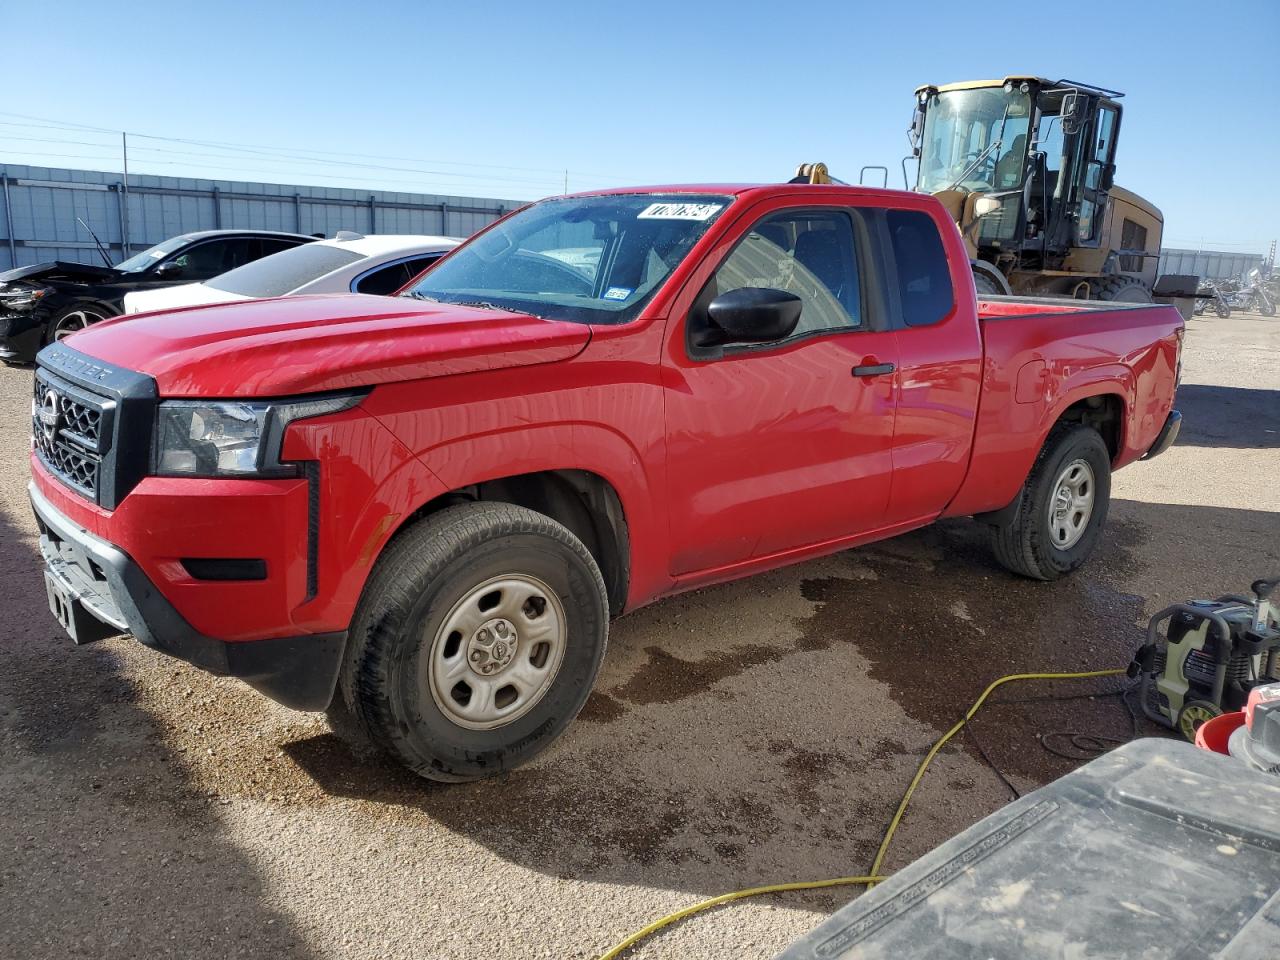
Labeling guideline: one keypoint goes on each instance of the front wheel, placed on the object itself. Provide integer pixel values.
(73, 320)
(1061, 509)
(477, 641)
(1222, 308)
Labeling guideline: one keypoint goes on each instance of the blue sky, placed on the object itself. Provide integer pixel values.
(499, 99)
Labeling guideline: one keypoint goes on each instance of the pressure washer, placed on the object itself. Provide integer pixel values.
(1201, 659)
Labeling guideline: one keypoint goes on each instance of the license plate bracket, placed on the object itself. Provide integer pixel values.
(81, 625)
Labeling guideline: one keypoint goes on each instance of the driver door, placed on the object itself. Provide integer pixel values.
(777, 446)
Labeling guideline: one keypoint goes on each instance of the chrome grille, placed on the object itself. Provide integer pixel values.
(67, 428)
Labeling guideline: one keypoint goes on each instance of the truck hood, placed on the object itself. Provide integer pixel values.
(65, 271)
(298, 345)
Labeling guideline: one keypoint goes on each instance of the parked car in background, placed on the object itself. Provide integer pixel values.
(349, 263)
(44, 302)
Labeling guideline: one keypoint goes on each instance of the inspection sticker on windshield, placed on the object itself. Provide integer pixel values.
(680, 211)
(617, 293)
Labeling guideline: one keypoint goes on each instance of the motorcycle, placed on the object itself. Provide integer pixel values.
(1213, 293)
(1253, 296)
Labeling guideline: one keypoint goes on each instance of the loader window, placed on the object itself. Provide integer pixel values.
(974, 139)
(924, 275)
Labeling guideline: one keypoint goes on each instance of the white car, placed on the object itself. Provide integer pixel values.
(349, 263)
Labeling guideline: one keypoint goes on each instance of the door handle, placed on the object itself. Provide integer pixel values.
(873, 370)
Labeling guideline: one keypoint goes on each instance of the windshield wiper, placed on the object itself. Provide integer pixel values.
(421, 296)
(482, 304)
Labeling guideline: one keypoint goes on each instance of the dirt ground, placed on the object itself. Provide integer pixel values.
(753, 733)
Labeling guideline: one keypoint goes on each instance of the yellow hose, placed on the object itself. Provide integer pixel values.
(874, 877)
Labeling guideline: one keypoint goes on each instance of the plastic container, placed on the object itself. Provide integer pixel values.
(1157, 849)
(1214, 734)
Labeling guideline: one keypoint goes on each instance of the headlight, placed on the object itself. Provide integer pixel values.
(22, 298)
(230, 438)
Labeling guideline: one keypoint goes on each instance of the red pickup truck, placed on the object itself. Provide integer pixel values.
(433, 504)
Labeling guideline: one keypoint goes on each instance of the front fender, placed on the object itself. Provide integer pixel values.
(589, 447)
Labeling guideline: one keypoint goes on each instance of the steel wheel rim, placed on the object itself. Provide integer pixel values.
(1071, 505)
(74, 322)
(497, 652)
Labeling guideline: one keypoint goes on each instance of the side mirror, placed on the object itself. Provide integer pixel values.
(753, 315)
(169, 271)
(1075, 105)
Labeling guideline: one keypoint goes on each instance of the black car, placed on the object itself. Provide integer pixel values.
(47, 301)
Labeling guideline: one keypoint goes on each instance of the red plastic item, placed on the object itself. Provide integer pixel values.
(1214, 734)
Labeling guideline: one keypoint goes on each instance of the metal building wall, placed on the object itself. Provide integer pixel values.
(39, 207)
(1208, 264)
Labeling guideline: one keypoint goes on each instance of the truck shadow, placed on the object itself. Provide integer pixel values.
(764, 730)
(108, 845)
(1240, 418)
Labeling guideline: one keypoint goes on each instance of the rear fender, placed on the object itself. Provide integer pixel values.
(1010, 436)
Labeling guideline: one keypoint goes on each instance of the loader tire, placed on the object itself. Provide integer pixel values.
(1123, 290)
(1061, 508)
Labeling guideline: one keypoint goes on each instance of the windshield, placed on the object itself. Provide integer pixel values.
(585, 259)
(147, 258)
(961, 131)
(282, 272)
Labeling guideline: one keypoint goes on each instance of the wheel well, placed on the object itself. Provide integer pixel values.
(584, 502)
(1105, 413)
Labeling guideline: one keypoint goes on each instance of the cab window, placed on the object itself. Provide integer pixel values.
(809, 253)
(924, 275)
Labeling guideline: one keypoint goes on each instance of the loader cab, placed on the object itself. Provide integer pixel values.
(1043, 152)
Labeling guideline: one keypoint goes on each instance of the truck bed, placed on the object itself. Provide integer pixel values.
(1010, 307)
(1062, 352)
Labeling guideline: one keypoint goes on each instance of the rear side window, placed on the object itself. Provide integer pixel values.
(276, 275)
(382, 282)
(924, 276)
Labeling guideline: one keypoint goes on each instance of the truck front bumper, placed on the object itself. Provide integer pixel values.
(1168, 434)
(96, 590)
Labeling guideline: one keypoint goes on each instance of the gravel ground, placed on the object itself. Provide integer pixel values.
(753, 733)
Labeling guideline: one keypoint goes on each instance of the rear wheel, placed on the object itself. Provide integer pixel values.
(477, 641)
(1194, 715)
(1123, 290)
(1061, 509)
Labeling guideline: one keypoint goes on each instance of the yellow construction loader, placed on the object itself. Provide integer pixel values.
(1026, 167)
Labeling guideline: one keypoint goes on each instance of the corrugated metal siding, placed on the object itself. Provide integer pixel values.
(39, 206)
(1208, 264)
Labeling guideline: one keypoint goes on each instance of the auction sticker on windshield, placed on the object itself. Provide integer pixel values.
(680, 211)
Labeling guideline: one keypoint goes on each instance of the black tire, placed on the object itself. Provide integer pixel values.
(1024, 543)
(74, 318)
(422, 575)
(986, 285)
(1222, 308)
(1266, 307)
(1123, 290)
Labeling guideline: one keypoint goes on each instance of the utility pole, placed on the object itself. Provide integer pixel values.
(566, 183)
(124, 218)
